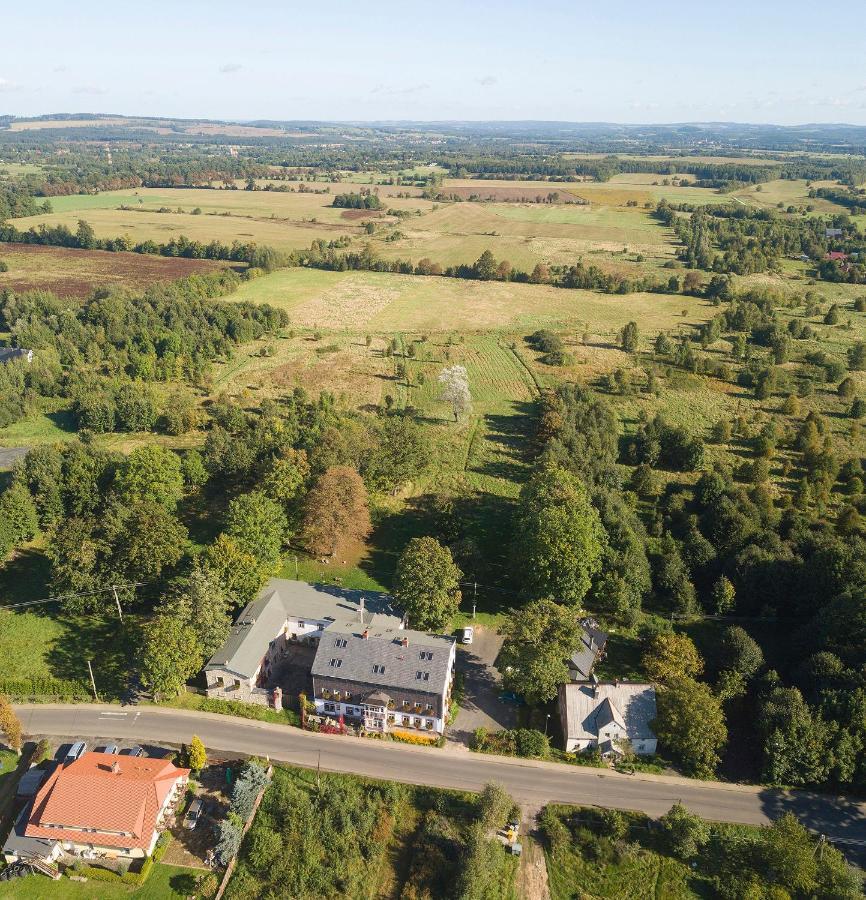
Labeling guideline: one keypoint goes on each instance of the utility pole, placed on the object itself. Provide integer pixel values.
(319, 772)
(117, 601)
(92, 681)
(474, 596)
(296, 567)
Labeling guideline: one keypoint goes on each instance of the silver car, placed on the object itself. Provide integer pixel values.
(193, 814)
(75, 751)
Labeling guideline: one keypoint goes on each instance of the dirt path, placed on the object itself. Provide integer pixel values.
(532, 875)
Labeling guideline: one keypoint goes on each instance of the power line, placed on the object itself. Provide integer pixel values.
(62, 597)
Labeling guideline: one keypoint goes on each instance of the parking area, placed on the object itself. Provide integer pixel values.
(193, 846)
(481, 706)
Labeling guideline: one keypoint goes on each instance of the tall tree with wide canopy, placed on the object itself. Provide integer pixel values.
(539, 638)
(559, 538)
(427, 584)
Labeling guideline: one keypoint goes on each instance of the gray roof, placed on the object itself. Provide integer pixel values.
(381, 658)
(280, 599)
(589, 707)
(18, 844)
(7, 353)
(592, 643)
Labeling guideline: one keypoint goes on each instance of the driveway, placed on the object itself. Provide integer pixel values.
(481, 706)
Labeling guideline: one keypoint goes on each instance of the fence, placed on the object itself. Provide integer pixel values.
(233, 861)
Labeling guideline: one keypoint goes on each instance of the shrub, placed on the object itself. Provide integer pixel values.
(531, 743)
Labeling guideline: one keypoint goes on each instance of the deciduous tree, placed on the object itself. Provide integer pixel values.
(336, 511)
(539, 638)
(691, 725)
(427, 584)
(559, 538)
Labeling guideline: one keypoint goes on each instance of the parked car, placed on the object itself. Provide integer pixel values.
(76, 750)
(136, 751)
(194, 813)
(468, 635)
(110, 748)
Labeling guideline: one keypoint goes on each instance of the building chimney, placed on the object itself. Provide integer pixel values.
(361, 610)
(366, 634)
(405, 642)
(115, 767)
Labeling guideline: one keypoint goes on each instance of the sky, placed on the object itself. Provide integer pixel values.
(789, 62)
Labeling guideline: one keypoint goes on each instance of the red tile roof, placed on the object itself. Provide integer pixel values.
(104, 799)
(837, 254)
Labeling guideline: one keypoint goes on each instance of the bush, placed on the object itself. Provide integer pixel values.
(531, 744)
(553, 830)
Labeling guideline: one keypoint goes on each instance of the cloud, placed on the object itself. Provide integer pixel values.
(229, 68)
(8, 86)
(91, 89)
(60, 69)
(487, 80)
(410, 89)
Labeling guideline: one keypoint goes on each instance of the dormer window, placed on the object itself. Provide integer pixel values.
(340, 642)
(427, 654)
(335, 663)
(378, 670)
(422, 676)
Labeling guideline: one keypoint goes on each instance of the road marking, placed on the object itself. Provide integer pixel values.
(102, 714)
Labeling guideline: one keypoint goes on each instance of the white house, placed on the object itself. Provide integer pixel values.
(607, 715)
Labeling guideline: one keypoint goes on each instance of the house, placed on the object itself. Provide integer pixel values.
(589, 651)
(832, 232)
(102, 805)
(606, 715)
(368, 668)
(285, 612)
(837, 256)
(381, 676)
(7, 354)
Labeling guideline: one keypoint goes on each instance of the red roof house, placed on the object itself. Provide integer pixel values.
(107, 804)
(837, 255)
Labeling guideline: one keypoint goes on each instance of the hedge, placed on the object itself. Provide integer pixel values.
(43, 685)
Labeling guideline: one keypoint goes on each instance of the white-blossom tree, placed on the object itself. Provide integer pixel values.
(455, 390)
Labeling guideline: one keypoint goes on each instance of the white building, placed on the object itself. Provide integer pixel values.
(608, 715)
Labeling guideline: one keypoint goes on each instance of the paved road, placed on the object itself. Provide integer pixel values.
(532, 783)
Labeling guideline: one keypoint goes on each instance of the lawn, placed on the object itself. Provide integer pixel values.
(164, 883)
(42, 643)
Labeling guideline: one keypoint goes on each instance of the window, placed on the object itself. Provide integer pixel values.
(405, 720)
(378, 670)
(340, 642)
(302, 625)
(417, 723)
(405, 704)
(427, 654)
(335, 663)
(422, 676)
(430, 707)
(329, 707)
